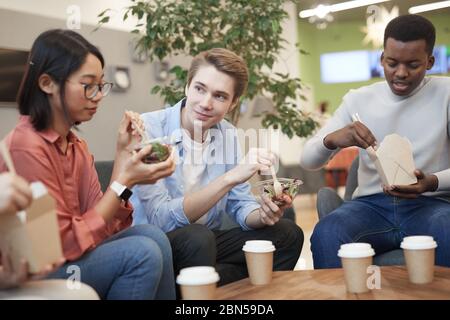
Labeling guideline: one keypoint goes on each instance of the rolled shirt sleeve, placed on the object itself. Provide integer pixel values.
(241, 203)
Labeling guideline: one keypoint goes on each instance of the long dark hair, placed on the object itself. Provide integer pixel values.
(58, 53)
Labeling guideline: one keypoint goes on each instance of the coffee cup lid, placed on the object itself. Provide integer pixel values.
(196, 276)
(258, 246)
(356, 250)
(418, 243)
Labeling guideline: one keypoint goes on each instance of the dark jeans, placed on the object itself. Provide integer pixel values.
(382, 221)
(196, 245)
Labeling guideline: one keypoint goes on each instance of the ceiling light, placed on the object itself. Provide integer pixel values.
(338, 7)
(322, 11)
(429, 7)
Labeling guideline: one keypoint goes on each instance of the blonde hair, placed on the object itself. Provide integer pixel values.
(224, 61)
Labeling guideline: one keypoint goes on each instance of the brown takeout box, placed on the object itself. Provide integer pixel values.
(33, 234)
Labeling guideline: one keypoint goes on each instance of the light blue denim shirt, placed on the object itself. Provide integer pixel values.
(161, 204)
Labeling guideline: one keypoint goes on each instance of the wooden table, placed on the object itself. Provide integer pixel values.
(329, 284)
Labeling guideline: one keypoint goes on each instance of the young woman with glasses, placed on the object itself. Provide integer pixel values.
(62, 87)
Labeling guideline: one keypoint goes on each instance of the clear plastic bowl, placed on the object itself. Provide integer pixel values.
(290, 188)
(158, 153)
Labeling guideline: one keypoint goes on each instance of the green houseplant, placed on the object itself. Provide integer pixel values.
(251, 28)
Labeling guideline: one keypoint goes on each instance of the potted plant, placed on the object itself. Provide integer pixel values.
(251, 28)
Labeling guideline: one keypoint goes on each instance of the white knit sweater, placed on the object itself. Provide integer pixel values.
(422, 117)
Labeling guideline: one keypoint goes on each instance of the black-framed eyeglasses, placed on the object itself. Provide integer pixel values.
(91, 90)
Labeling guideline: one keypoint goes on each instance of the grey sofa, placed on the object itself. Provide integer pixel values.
(104, 171)
(328, 200)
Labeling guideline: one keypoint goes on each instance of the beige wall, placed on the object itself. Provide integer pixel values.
(86, 10)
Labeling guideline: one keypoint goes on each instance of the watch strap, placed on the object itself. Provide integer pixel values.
(121, 191)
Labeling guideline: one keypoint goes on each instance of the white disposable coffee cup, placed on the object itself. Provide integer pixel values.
(259, 258)
(356, 258)
(198, 283)
(419, 254)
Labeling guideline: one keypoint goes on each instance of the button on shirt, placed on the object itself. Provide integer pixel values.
(161, 204)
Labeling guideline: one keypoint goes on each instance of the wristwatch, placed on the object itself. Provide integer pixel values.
(122, 191)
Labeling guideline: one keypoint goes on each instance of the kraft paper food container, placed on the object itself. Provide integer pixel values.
(198, 283)
(33, 234)
(290, 188)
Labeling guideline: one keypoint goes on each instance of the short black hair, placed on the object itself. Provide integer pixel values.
(411, 27)
(58, 53)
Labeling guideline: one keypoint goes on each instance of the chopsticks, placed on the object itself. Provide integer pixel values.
(370, 150)
(7, 157)
(142, 133)
(355, 117)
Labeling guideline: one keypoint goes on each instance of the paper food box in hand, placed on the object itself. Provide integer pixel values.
(33, 234)
(394, 161)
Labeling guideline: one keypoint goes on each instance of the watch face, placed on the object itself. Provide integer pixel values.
(126, 194)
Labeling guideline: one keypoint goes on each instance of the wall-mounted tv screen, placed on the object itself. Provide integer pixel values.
(12, 68)
(352, 66)
(348, 66)
(448, 59)
(440, 61)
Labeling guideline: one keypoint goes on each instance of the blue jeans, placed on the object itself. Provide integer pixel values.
(382, 221)
(135, 264)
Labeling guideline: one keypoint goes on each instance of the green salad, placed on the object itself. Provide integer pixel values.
(160, 152)
(290, 188)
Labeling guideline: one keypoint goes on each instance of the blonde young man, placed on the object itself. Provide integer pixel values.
(210, 178)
